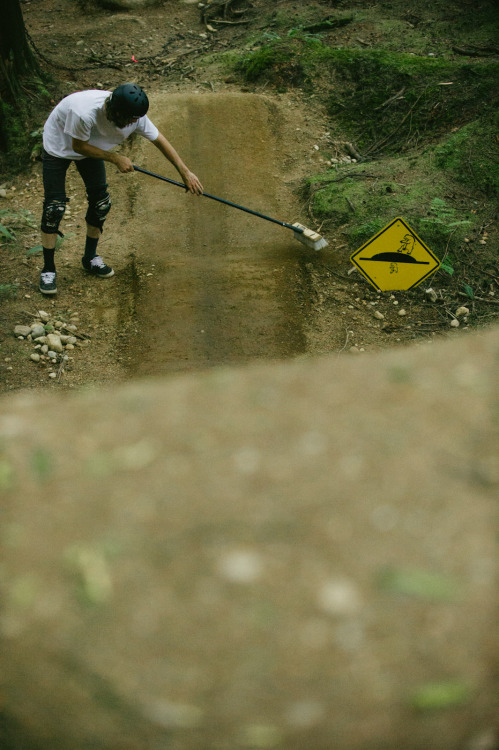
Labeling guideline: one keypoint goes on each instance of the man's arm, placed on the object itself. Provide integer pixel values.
(84, 148)
(191, 181)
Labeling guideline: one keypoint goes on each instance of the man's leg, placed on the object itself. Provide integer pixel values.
(93, 174)
(54, 205)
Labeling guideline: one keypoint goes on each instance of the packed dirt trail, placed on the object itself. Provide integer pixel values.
(221, 284)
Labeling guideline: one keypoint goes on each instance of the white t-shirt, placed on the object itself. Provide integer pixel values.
(82, 115)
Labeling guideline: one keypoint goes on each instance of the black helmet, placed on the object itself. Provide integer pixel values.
(129, 99)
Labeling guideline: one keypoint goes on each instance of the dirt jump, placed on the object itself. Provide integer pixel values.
(215, 294)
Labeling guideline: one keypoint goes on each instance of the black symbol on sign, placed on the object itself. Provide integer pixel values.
(397, 258)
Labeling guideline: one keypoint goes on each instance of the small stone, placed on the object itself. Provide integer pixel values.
(35, 357)
(339, 597)
(431, 294)
(454, 323)
(402, 312)
(379, 315)
(45, 317)
(241, 566)
(44, 349)
(52, 355)
(462, 311)
(22, 331)
(52, 374)
(54, 342)
(37, 331)
(68, 339)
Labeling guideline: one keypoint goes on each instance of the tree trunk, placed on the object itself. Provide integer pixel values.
(17, 61)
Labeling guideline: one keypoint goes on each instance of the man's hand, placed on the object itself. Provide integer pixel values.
(192, 183)
(123, 163)
(84, 148)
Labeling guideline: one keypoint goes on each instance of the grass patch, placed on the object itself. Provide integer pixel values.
(364, 199)
(8, 291)
(282, 63)
(387, 102)
(390, 102)
(471, 155)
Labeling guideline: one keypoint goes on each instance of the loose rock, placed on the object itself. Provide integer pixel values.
(22, 331)
(37, 331)
(54, 342)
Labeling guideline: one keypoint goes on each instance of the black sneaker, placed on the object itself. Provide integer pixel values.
(47, 282)
(97, 267)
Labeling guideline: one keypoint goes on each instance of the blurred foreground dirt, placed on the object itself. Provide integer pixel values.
(292, 556)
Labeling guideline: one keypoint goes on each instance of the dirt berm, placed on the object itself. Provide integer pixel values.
(295, 556)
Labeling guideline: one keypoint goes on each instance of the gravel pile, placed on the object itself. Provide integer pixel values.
(53, 341)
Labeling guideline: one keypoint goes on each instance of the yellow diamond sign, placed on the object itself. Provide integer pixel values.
(395, 258)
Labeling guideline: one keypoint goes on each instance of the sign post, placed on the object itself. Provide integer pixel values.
(395, 258)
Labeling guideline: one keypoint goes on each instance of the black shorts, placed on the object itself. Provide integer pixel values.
(93, 174)
(92, 171)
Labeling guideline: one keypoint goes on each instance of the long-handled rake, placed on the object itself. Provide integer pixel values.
(306, 236)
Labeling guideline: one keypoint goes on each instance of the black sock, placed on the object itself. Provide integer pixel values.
(91, 247)
(48, 260)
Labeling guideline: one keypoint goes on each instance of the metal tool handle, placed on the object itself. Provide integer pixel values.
(220, 200)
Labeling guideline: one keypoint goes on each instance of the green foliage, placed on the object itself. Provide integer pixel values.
(363, 198)
(438, 696)
(42, 463)
(278, 62)
(391, 101)
(422, 584)
(58, 243)
(441, 223)
(360, 233)
(8, 291)
(14, 220)
(386, 101)
(472, 155)
(6, 233)
(447, 266)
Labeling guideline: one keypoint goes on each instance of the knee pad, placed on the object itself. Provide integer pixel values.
(98, 210)
(53, 211)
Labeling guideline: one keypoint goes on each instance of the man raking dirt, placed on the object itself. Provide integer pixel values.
(83, 128)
